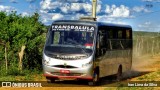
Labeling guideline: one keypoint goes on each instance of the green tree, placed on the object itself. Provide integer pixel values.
(16, 31)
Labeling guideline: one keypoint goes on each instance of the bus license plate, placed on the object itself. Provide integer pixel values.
(64, 71)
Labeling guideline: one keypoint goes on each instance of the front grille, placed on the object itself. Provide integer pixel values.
(68, 57)
(64, 66)
(68, 74)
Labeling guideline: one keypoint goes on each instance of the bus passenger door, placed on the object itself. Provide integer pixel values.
(105, 66)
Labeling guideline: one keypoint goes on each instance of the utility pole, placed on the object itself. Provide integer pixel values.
(94, 8)
(93, 16)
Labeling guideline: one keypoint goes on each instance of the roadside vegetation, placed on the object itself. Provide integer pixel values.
(146, 43)
(17, 31)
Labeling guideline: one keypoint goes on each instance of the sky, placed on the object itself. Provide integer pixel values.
(142, 15)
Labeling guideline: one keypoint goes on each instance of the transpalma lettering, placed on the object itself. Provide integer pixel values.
(75, 27)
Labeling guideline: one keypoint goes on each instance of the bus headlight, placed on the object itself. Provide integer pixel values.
(87, 64)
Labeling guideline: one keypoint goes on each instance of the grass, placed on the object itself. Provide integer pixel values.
(29, 77)
(26, 75)
(155, 76)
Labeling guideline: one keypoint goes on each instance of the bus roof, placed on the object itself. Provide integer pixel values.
(93, 22)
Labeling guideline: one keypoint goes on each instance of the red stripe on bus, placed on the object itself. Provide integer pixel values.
(80, 77)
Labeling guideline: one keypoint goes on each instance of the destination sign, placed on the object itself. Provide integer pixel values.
(73, 27)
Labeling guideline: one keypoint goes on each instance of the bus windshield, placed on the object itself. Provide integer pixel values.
(70, 39)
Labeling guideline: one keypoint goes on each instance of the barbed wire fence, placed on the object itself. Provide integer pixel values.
(146, 45)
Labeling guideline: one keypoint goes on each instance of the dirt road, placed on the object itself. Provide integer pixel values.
(141, 66)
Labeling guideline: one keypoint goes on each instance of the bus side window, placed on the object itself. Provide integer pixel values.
(128, 38)
(127, 34)
(109, 39)
(119, 34)
(115, 43)
(103, 42)
(121, 39)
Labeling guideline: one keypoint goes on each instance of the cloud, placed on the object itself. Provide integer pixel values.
(99, 7)
(49, 4)
(55, 10)
(140, 9)
(66, 8)
(7, 8)
(151, 0)
(114, 11)
(50, 17)
(73, 1)
(76, 6)
(31, 1)
(13, 1)
(77, 16)
(147, 0)
(46, 7)
(59, 10)
(86, 7)
(43, 11)
(69, 6)
(44, 20)
(107, 19)
(57, 16)
(23, 14)
(146, 24)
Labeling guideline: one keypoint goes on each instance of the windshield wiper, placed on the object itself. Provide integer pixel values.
(76, 44)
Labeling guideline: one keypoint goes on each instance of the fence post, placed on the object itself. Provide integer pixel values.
(21, 53)
(6, 57)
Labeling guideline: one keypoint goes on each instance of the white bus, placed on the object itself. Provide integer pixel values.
(86, 50)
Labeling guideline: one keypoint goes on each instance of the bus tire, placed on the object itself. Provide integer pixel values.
(119, 74)
(95, 80)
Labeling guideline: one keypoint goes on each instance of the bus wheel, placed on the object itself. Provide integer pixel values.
(95, 79)
(50, 80)
(119, 74)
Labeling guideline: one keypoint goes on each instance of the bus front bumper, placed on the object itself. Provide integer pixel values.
(69, 77)
(71, 74)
